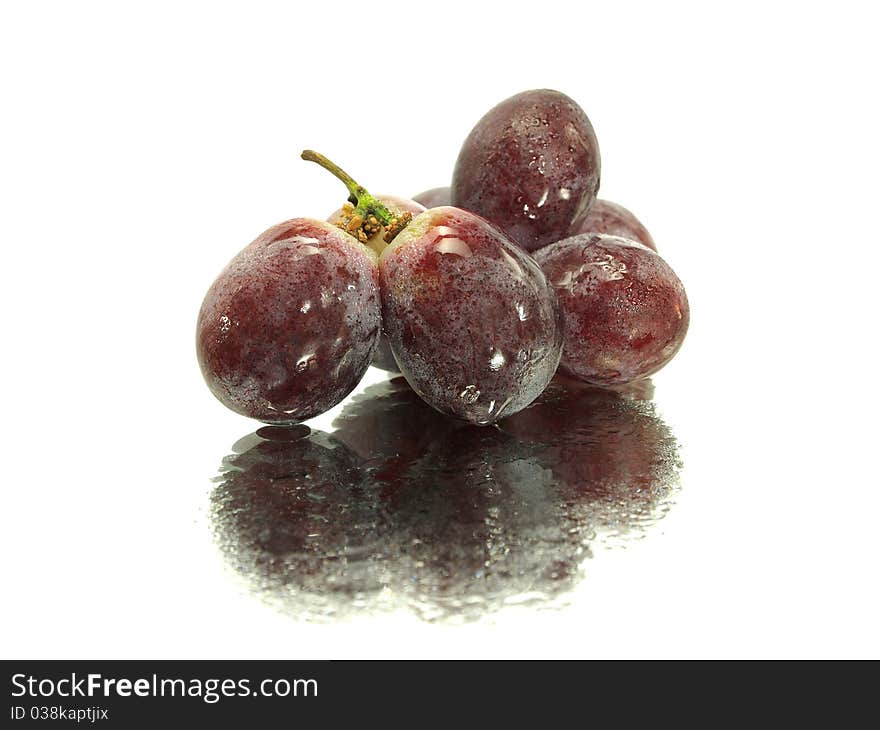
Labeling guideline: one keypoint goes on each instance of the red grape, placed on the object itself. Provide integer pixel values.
(471, 319)
(531, 166)
(625, 311)
(289, 327)
(614, 220)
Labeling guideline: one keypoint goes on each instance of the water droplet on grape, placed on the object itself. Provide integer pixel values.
(454, 246)
(301, 246)
(512, 262)
(470, 394)
(564, 281)
(496, 362)
(327, 298)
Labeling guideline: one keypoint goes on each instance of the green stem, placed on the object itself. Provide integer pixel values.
(366, 205)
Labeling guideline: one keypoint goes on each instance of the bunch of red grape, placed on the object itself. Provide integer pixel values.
(512, 272)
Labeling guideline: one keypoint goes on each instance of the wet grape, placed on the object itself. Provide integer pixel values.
(614, 220)
(289, 327)
(531, 166)
(625, 311)
(471, 319)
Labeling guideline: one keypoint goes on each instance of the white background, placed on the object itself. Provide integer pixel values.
(144, 144)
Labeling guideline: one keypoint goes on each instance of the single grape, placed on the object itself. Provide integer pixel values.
(530, 166)
(471, 319)
(625, 311)
(289, 327)
(614, 220)
(435, 197)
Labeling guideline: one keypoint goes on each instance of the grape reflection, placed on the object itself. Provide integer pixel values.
(401, 506)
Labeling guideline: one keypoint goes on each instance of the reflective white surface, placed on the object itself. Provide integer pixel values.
(131, 177)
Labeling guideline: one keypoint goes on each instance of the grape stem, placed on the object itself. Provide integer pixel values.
(366, 205)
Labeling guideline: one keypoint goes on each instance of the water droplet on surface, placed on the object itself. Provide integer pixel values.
(283, 433)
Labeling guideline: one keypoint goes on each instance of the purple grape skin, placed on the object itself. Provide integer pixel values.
(614, 220)
(531, 166)
(289, 327)
(472, 321)
(625, 311)
(435, 197)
